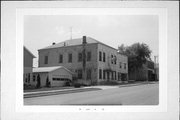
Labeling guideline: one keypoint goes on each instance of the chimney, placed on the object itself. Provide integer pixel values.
(53, 43)
(84, 40)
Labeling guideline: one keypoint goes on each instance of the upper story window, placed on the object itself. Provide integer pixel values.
(112, 61)
(104, 57)
(124, 65)
(60, 58)
(70, 57)
(120, 65)
(46, 60)
(88, 56)
(79, 57)
(115, 59)
(100, 56)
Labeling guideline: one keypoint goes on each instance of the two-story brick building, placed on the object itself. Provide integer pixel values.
(91, 61)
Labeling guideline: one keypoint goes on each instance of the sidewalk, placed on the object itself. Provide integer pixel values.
(82, 89)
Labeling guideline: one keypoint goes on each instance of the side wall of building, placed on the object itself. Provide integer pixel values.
(114, 68)
(28, 62)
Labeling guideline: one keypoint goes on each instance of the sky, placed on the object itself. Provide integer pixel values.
(42, 30)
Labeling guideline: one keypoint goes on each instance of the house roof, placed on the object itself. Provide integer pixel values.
(73, 42)
(29, 52)
(49, 69)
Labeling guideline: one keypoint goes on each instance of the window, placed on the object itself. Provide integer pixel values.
(112, 59)
(34, 78)
(80, 57)
(70, 57)
(120, 65)
(46, 60)
(104, 57)
(100, 74)
(115, 75)
(104, 74)
(112, 75)
(80, 74)
(108, 75)
(100, 56)
(119, 76)
(124, 65)
(28, 77)
(115, 59)
(88, 74)
(88, 56)
(59, 79)
(60, 58)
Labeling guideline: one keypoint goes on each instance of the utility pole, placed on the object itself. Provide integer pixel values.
(84, 58)
(155, 66)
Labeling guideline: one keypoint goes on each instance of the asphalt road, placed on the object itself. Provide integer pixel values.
(147, 94)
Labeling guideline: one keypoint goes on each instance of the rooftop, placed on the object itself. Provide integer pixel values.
(73, 42)
(49, 69)
(29, 52)
(46, 69)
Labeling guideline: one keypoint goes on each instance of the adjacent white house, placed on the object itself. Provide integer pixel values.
(55, 76)
(28, 65)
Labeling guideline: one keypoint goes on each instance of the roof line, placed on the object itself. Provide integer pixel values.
(58, 67)
(30, 52)
(98, 42)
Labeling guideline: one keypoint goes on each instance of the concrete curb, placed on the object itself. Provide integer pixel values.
(47, 93)
(136, 84)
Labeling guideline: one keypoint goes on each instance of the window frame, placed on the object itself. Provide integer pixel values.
(79, 72)
(104, 74)
(88, 74)
(89, 56)
(46, 59)
(60, 58)
(104, 57)
(100, 56)
(100, 73)
(80, 57)
(125, 66)
(69, 57)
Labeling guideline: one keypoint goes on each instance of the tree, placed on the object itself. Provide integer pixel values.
(137, 54)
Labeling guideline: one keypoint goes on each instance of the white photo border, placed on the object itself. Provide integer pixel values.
(161, 12)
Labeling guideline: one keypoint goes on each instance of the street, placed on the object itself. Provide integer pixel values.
(146, 94)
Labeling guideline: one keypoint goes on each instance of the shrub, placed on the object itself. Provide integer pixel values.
(67, 83)
(28, 87)
(77, 85)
